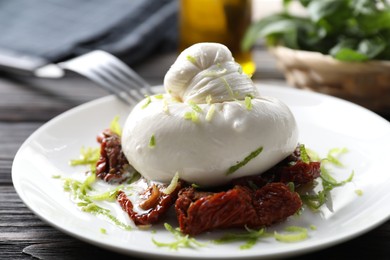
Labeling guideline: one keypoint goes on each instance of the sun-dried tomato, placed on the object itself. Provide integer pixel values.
(112, 163)
(160, 206)
(237, 207)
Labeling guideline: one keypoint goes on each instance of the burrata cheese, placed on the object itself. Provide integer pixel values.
(210, 126)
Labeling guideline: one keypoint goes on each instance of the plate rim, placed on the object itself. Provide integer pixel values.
(166, 253)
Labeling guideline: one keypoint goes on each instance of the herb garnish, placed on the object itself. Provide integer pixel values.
(328, 183)
(158, 96)
(88, 156)
(359, 192)
(152, 141)
(191, 59)
(250, 237)
(237, 166)
(79, 191)
(115, 127)
(304, 156)
(210, 113)
(148, 100)
(195, 107)
(228, 87)
(294, 234)
(248, 102)
(193, 116)
(172, 185)
(182, 241)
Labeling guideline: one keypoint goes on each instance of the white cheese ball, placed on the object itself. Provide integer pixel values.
(203, 129)
(202, 152)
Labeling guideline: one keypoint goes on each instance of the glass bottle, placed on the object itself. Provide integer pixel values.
(222, 21)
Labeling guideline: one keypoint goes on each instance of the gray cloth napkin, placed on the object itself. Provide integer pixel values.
(54, 30)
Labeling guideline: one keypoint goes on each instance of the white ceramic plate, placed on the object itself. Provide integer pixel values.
(324, 122)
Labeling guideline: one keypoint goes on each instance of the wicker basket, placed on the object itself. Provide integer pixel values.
(365, 83)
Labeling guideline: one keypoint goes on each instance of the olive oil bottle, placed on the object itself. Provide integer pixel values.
(222, 21)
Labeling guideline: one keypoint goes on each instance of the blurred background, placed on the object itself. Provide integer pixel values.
(148, 35)
(35, 33)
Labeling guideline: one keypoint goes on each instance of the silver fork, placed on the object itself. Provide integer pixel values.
(111, 74)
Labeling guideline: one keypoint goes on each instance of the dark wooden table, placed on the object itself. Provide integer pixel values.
(27, 103)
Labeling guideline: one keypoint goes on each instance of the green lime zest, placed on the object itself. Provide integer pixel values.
(152, 141)
(87, 184)
(181, 241)
(210, 113)
(115, 127)
(88, 156)
(172, 185)
(251, 237)
(359, 192)
(148, 100)
(191, 59)
(56, 176)
(291, 186)
(106, 196)
(193, 116)
(97, 210)
(79, 191)
(304, 156)
(194, 185)
(103, 231)
(159, 96)
(315, 200)
(294, 234)
(334, 154)
(228, 87)
(195, 107)
(327, 179)
(240, 164)
(248, 102)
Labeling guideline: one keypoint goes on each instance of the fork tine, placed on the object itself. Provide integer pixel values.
(109, 85)
(126, 71)
(128, 85)
(132, 75)
(111, 74)
(117, 86)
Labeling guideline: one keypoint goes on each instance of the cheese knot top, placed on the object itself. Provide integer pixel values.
(207, 70)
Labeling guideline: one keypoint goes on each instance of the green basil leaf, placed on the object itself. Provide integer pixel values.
(347, 54)
(319, 9)
(305, 3)
(286, 3)
(255, 31)
(372, 24)
(285, 30)
(364, 6)
(372, 47)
